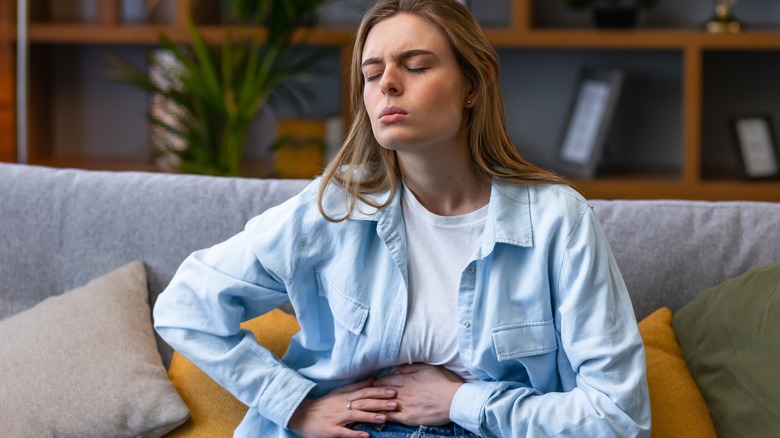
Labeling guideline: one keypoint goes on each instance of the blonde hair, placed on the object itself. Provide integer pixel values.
(362, 167)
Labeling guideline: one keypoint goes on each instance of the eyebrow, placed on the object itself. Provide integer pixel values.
(402, 56)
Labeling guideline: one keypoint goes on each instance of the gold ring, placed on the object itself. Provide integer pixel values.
(349, 405)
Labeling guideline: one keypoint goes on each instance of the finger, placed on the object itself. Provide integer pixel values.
(396, 417)
(349, 433)
(357, 416)
(374, 405)
(373, 392)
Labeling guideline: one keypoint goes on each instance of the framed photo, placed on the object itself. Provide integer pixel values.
(756, 146)
(588, 123)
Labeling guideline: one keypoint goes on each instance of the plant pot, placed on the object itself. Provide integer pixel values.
(302, 161)
(615, 17)
(299, 151)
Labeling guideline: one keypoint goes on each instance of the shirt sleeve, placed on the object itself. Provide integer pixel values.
(200, 312)
(598, 340)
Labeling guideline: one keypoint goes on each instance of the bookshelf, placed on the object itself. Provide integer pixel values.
(670, 137)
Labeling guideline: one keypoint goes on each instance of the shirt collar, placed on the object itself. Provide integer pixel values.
(509, 214)
(509, 217)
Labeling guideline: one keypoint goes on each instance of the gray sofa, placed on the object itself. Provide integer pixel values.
(61, 228)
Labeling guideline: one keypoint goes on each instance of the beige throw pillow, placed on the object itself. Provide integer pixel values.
(85, 364)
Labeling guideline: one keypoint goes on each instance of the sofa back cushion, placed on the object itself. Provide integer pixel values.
(670, 251)
(59, 228)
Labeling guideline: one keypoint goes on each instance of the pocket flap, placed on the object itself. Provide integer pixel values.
(348, 312)
(527, 339)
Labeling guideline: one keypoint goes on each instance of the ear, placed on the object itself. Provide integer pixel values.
(471, 97)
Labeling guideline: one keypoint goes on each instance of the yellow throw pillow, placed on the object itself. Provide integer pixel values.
(214, 412)
(677, 405)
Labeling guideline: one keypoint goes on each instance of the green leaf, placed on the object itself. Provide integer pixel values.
(220, 89)
(205, 64)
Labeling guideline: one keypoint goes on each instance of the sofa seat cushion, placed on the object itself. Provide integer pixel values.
(214, 411)
(85, 364)
(730, 336)
(678, 408)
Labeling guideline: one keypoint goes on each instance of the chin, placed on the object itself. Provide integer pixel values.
(392, 145)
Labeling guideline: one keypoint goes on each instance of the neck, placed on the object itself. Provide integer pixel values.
(445, 186)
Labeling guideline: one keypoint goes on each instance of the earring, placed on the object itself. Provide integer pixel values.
(468, 101)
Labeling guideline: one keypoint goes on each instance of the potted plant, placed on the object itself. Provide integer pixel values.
(216, 90)
(619, 14)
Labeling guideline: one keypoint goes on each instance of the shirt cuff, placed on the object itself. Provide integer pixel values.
(283, 396)
(469, 403)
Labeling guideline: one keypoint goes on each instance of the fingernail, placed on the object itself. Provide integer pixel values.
(392, 405)
(390, 392)
(363, 435)
(381, 418)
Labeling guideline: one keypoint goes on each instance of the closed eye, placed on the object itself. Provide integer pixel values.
(369, 77)
(409, 56)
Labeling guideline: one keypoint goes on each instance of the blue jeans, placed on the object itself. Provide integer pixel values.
(395, 430)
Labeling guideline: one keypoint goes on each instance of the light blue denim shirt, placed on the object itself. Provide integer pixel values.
(544, 318)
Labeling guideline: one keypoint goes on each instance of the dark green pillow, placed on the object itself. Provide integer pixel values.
(730, 337)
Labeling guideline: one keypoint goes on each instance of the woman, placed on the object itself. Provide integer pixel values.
(443, 284)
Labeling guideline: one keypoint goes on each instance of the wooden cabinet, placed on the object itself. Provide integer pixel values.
(670, 137)
(7, 84)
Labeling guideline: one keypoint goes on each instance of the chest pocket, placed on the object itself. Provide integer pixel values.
(342, 319)
(527, 339)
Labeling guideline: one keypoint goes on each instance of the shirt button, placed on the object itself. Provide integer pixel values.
(471, 269)
(465, 323)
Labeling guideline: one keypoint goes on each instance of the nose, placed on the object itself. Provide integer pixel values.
(390, 83)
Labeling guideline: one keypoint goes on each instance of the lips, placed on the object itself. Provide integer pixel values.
(392, 114)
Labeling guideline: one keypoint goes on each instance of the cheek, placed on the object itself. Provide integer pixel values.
(366, 101)
(372, 100)
(368, 104)
(447, 106)
(445, 99)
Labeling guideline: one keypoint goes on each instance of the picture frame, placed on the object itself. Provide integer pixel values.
(588, 122)
(756, 146)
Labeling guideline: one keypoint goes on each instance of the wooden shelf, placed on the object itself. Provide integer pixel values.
(622, 187)
(149, 34)
(687, 50)
(101, 34)
(628, 188)
(255, 169)
(663, 39)
(731, 189)
(644, 39)
(97, 164)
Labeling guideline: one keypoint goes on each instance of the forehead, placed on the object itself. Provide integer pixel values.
(404, 32)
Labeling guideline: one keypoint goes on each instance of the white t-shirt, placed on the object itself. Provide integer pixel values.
(439, 248)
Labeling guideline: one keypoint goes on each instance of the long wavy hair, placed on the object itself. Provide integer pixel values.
(362, 167)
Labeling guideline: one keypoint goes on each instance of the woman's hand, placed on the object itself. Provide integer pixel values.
(328, 416)
(425, 394)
